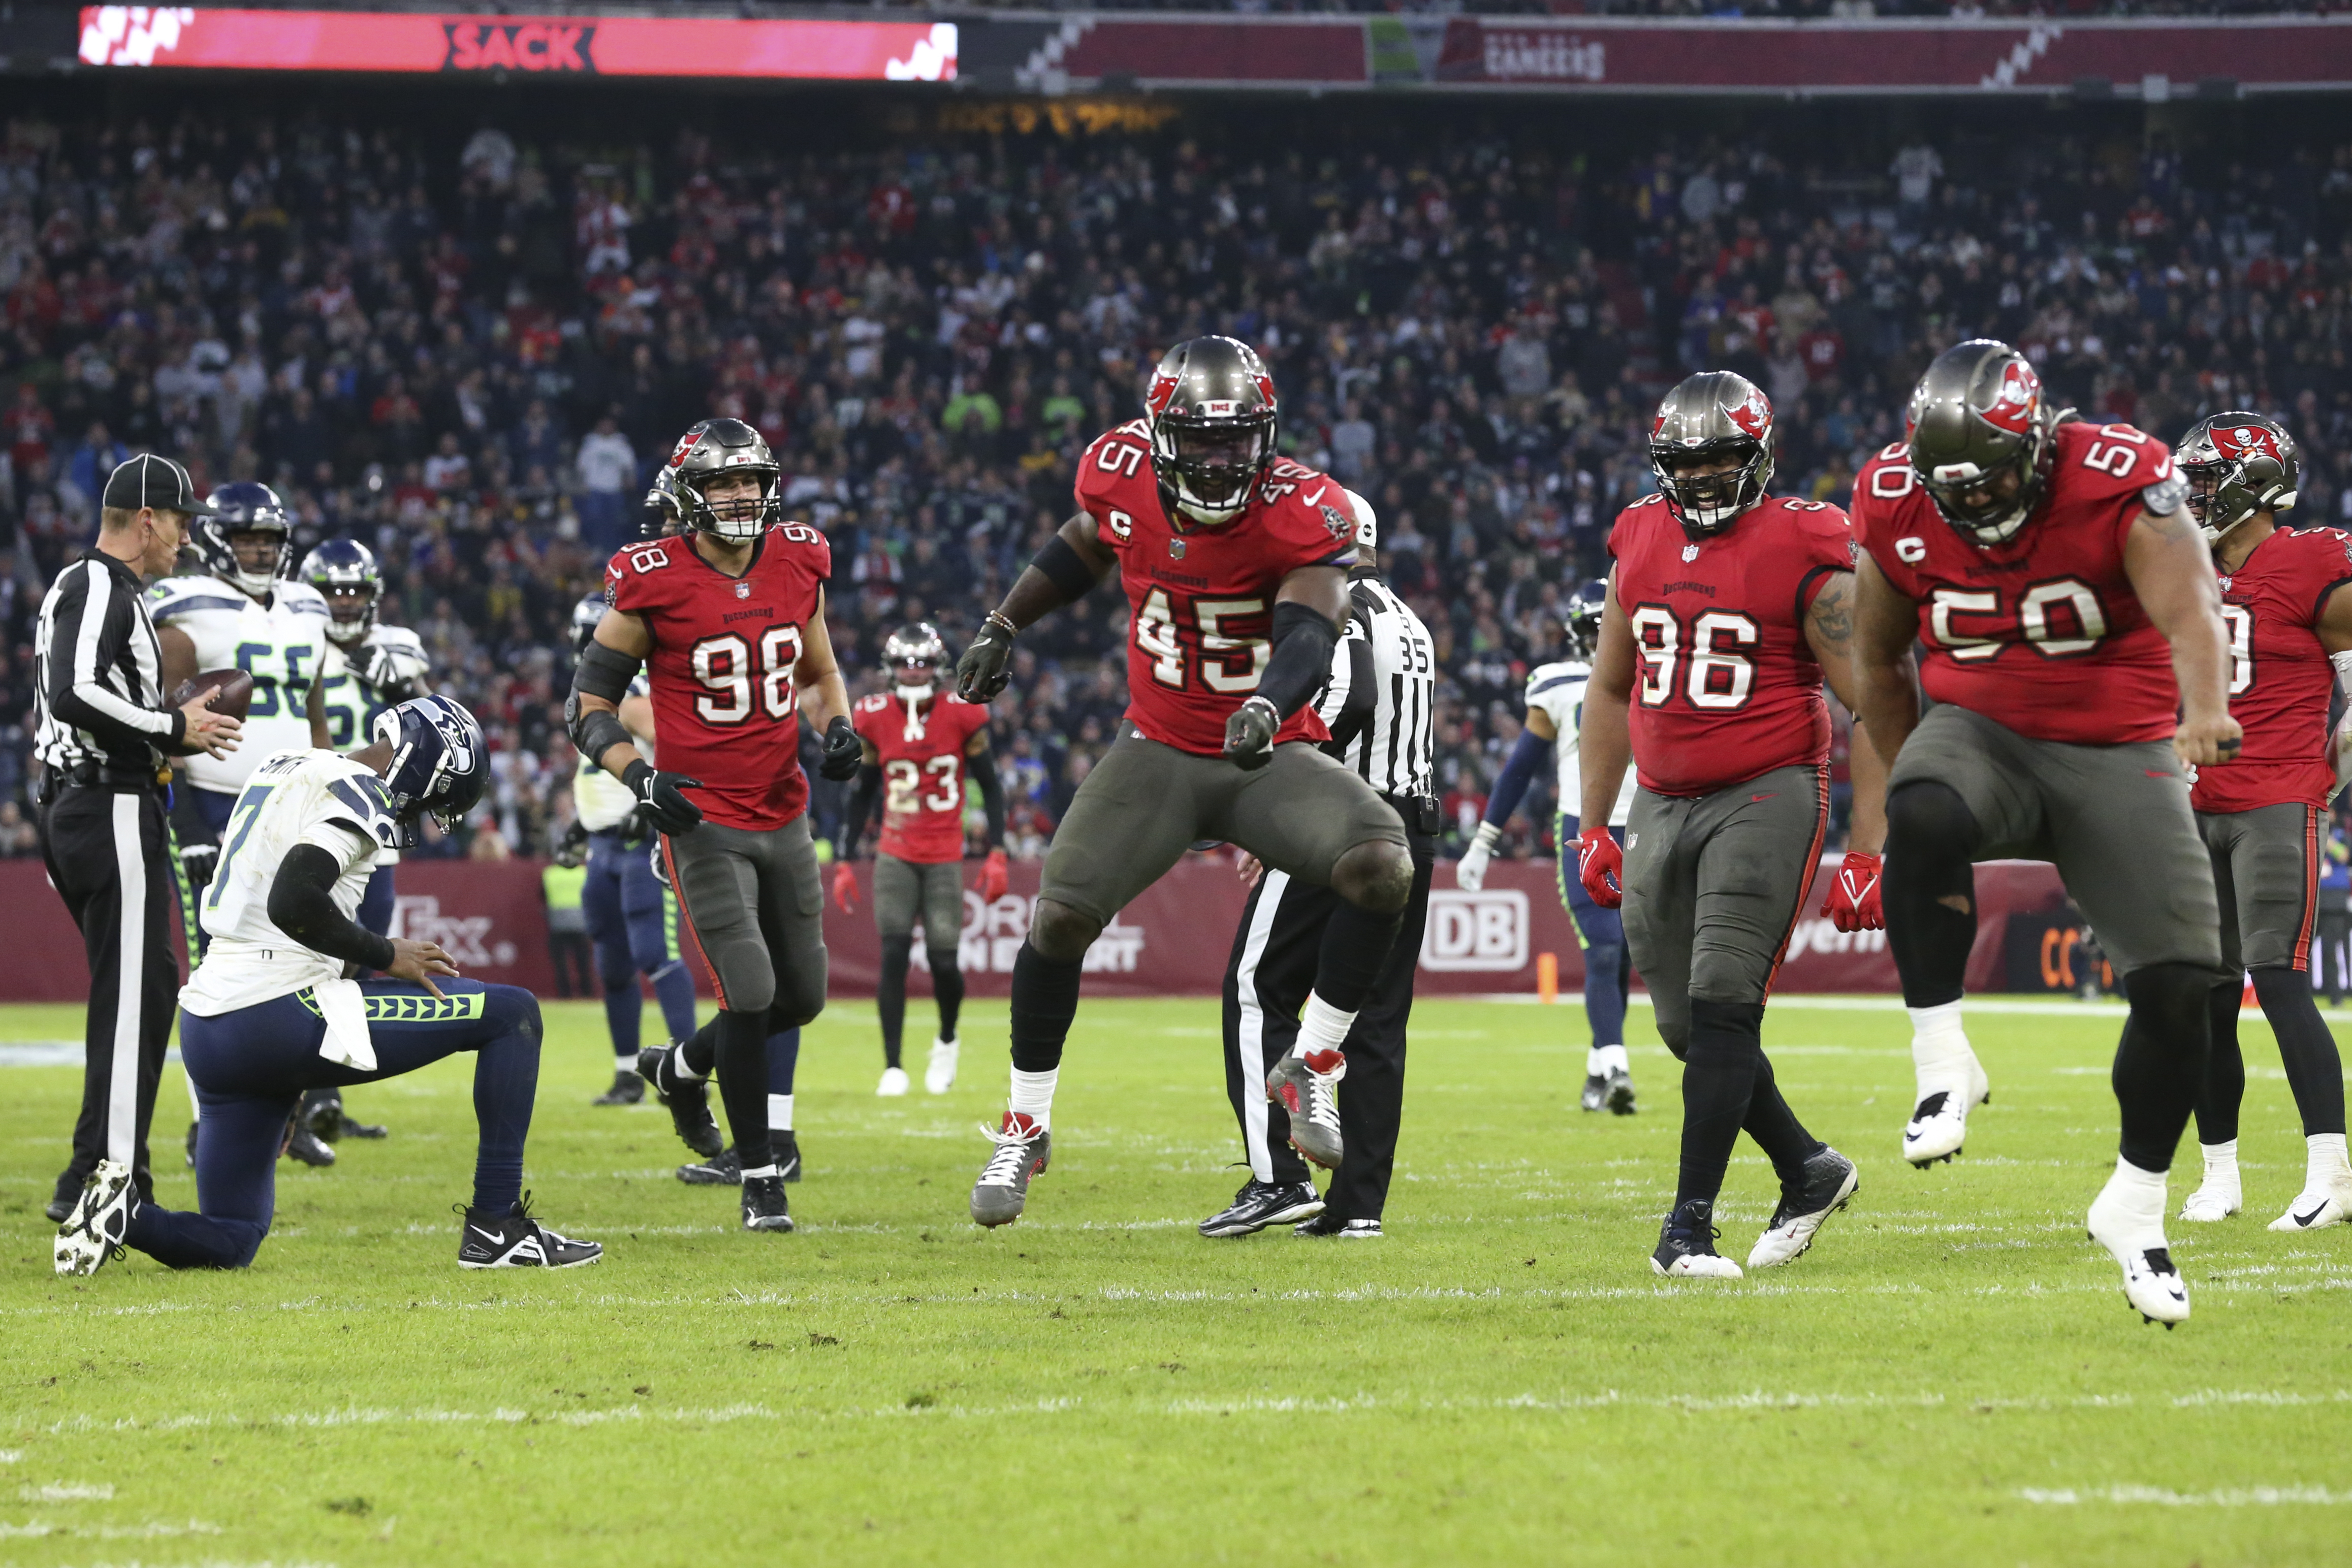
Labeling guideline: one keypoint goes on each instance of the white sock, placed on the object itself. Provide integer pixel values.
(763, 1173)
(1321, 1025)
(2136, 1198)
(2220, 1157)
(780, 1112)
(1602, 1060)
(1033, 1094)
(1940, 1048)
(2322, 1160)
(625, 1061)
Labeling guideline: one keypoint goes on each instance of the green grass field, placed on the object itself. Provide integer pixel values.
(1950, 1376)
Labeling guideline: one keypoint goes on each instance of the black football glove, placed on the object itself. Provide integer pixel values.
(198, 860)
(572, 848)
(843, 752)
(981, 673)
(1249, 734)
(663, 796)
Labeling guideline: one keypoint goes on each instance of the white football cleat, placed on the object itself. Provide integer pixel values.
(893, 1084)
(939, 1076)
(2151, 1283)
(2318, 1207)
(94, 1228)
(1830, 1179)
(2216, 1197)
(1939, 1124)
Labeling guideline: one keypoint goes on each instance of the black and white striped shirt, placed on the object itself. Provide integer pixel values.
(1383, 678)
(97, 673)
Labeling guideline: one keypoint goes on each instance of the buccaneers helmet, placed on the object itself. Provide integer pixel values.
(345, 574)
(2236, 464)
(243, 507)
(660, 517)
(1213, 422)
(1580, 623)
(730, 447)
(1711, 415)
(1982, 439)
(915, 655)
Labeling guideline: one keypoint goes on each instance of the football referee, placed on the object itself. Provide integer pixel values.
(102, 734)
(1383, 675)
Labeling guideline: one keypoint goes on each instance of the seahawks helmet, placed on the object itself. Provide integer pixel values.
(243, 507)
(344, 572)
(660, 517)
(1213, 422)
(584, 617)
(1711, 415)
(1982, 439)
(1580, 623)
(726, 446)
(440, 762)
(915, 647)
(2236, 464)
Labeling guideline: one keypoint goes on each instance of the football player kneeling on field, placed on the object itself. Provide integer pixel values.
(269, 1013)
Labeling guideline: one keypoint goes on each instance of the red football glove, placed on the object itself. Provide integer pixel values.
(996, 876)
(1601, 866)
(1852, 904)
(845, 887)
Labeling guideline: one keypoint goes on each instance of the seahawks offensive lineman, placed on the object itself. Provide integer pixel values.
(271, 1011)
(1555, 714)
(240, 612)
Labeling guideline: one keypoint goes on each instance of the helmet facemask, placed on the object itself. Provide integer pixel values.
(351, 611)
(744, 514)
(914, 655)
(1706, 504)
(1209, 464)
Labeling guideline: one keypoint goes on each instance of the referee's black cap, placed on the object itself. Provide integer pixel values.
(147, 480)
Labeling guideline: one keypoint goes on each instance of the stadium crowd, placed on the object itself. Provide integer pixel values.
(468, 352)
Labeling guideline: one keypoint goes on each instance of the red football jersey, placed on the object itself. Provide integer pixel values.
(2280, 679)
(1728, 688)
(2044, 633)
(921, 745)
(1200, 599)
(725, 708)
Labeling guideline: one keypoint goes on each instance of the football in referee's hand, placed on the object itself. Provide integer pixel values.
(235, 688)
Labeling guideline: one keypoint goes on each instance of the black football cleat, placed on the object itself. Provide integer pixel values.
(1686, 1245)
(1328, 1225)
(723, 1169)
(628, 1089)
(516, 1240)
(1263, 1203)
(764, 1205)
(70, 1185)
(301, 1144)
(191, 1145)
(688, 1100)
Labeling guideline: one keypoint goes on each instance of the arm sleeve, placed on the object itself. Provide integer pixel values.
(982, 769)
(861, 806)
(1518, 772)
(91, 622)
(302, 905)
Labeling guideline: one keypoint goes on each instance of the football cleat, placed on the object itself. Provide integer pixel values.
(2151, 1283)
(893, 1084)
(727, 1168)
(688, 1100)
(2318, 1207)
(765, 1206)
(1022, 1150)
(1305, 1087)
(191, 1145)
(1827, 1186)
(2218, 1196)
(516, 1240)
(370, 1130)
(1328, 1224)
(1263, 1203)
(628, 1089)
(94, 1228)
(939, 1073)
(57, 1208)
(1612, 1091)
(301, 1144)
(1686, 1245)
(1939, 1124)
(67, 1191)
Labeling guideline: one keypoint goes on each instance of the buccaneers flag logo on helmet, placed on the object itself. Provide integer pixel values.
(2021, 394)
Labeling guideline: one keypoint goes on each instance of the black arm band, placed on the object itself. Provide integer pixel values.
(1065, 568)
(302, 905)
(1303, 640)
(594, 731)
(861, 806)
(605, 672)
(983, 770)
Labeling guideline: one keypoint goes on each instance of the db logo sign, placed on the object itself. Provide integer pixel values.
(1475, 931)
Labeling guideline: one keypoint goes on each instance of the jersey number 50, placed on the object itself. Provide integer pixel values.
(724, 667)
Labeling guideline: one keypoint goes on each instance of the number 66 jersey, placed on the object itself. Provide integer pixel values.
(1201, 601)
(2043, 634)
(725, 706)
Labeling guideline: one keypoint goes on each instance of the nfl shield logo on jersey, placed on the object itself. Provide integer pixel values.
(1175, 550)
(1690, 552)
(742, 590)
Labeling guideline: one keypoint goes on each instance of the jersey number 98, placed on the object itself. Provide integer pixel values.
(724, 667)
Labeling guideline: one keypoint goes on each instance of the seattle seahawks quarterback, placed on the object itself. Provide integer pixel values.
(271, 1013)
(240, 612)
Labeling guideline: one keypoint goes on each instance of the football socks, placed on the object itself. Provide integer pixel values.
(890, 996)
(1356, 944)
(2307, 1050)
(947, 988)
(780, 1112)
(2160, 1062)
(1608, 971)
(1032, 1096)
(1045, 1000)
(2224, 1087)
(1321, 1025)
(1719, 1077)
(1929, 891)
(1775, 1127)
(742, 1058)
